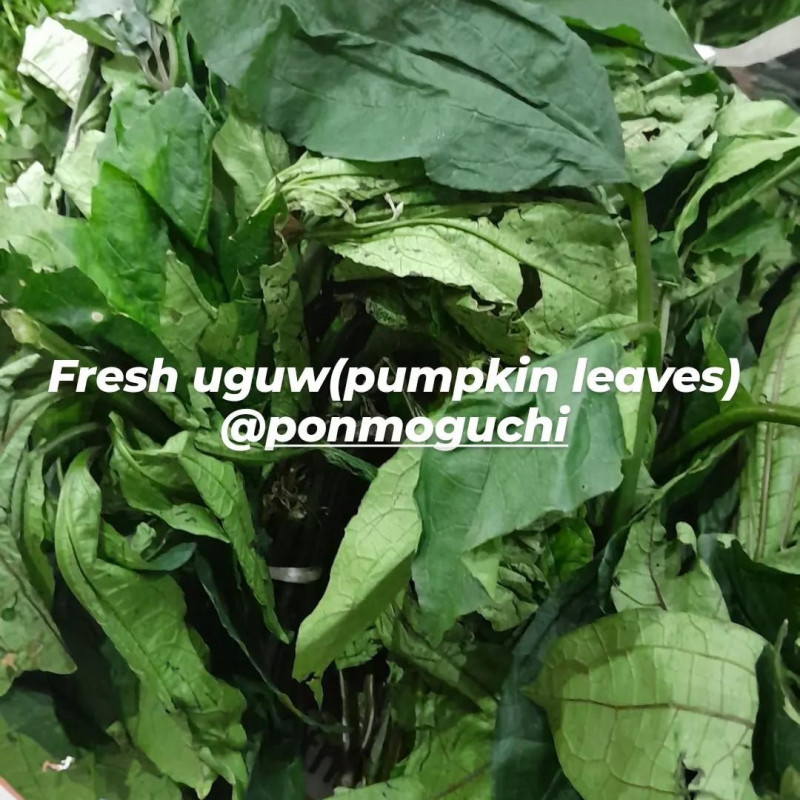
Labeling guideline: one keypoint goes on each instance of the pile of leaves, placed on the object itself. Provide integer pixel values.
(286, 183)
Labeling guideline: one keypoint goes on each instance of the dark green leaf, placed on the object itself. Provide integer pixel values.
(494, 96)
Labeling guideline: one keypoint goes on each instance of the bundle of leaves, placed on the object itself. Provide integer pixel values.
(284, 184)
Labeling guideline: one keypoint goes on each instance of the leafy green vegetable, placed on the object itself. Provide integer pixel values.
(647, 25)
(157, 645)
(470, 497)
(29, 639)
(335, 74)
(245, 189)
(770, 511)
(604, 684)
(166, 148)
(381, 540)
(655, 572)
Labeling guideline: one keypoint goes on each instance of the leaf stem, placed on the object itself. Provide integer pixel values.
(719, 428)
(640, 236)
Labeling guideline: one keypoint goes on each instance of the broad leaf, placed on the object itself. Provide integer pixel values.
(657, 572)
(740, 170)
(662, 123)
(645, 23)
(29, 639)
(378, 545)
(252, 156)
(222, 489)
(165, 146)
(471, 496)
(369, 82)
(604, 684)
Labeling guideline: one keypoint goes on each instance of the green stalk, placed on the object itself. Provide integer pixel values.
(640, 235)
(719, 428)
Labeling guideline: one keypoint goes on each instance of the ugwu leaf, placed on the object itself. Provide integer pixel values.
(579, 254)
(165, 146)
(222, 489)
(658, 572)
(29, 639)
(32, 736)
(644, 23)
(770, 501)
(496, 95)
(469, 497)
(689, 681)
(372, 565)
(143, 616)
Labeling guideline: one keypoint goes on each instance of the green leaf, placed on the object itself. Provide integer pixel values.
(46, 238)
(69, 299)
(465, 253)
(32, 737)
(581, 257)
(657, 572)
(252, 156)
(29, 639)
(165, 146)
(78, 171)
(342, 82)
(759, 597)
(450, 759)
(125, 250)
(36, 528)
(285, 327)
(646, 24)
(462, 662)
(162, 737)
(117, 25)
(185, 315)
(776, 739)
(222, 489)
(604, 684)
(471, 496)
(662, 122)
(740, 169)
(524, 761)
(584, 266)
(143, 616)
(770, 502)
(329, 187)
(372, 565)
